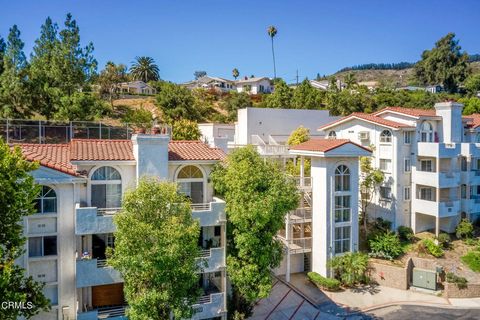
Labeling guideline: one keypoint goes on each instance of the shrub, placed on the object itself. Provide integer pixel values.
(444, 240)
(461, 282)
(386, 246)
(472, 242)
(464, 229)
(351, 268)
(432, 248)
(472, 260)
(405, 233)
(329, 284)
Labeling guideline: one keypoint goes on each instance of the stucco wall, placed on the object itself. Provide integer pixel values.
(389, 275)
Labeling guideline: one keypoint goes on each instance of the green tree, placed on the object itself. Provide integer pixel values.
(177, 102)
(350, 268)
(306, 97)
(234, 101)
(471, 105)
(14, 93)
(156, 245)
(17, 194)
(370, 180)
(184, 129)
(258, 196)
(199, 74)
(81, 107)
(145, 69)
(272, 32)
(445, 64)
(299, 135)
(472, 84)
(139, 118)
(235, 73)
(2, 53)
(350, 80)
(109, 79)
(281, 96)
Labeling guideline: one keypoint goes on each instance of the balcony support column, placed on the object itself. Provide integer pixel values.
(302, 171)
(288, 237)
(437, 226)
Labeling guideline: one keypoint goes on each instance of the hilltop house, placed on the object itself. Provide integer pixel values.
(254, 85)
(207, 82)
(136, 87)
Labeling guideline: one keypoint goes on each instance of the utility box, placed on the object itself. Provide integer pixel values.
(426, 279)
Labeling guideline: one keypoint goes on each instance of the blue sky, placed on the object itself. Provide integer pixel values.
(218, 35)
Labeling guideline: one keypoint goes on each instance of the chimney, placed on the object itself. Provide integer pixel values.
(151, 153)
(451, 113)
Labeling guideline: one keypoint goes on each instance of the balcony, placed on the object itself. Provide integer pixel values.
(471, 177)
(209, 214)
(439, 209)
(214, 259)
(438, 150)
(297, 245)
(472, 149)
(437, 179)
(301, 215)
(93, 272)
(113, 313)
(209, 306)
(91, 220)
(304, 184)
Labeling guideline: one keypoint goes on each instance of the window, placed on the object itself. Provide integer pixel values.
(332, 135)
(407, 137)
(426, 194)
(406, 193)
(426, 165)
(190, 182)
(46, 201)
(407, 165)
(426, 132)
(42, 246)
(386, 136)
(386, 165)
(385, 192)
(463, 191)
(342, 239)
(463, 163)
(342, 209)
(106, 188)
(217, 231)
(342, 178)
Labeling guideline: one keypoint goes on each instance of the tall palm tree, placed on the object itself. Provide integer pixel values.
(145, 69)
(272, 32)
(235, 73)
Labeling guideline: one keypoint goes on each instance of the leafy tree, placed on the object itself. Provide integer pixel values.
(234, 101)
(235, 73)
(140, 118)
(184, 129)
(306, 97)
(350, 80)
(2, 53)
(81, 107)
(258, 196)
(445, 64)
(346, 101)
(199, 74)
(350, 268)
(177, 102)
(472, 105)
(371, 179)
(156, 245)
(17, 194)
(272, 32)
(299, 135)
(14, 93)
(281, 96)
(472, 84)
(145, 69)
(109, 79)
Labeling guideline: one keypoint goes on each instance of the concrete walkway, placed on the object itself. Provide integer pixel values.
(372, 297)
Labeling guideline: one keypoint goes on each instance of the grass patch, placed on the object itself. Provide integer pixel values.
(472, 260)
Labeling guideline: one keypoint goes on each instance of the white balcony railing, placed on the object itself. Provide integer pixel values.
(201, 206)
(442, 208)
(305, 182)
(107, 211)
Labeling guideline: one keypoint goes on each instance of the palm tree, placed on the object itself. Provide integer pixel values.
(272, 31)
(350, 80)
(145, 69)
(235, 73)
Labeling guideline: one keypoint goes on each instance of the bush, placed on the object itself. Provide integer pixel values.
(472, 242)
(461, 282)
(329, 284)
(386, 246)
(432, 248)
(405, 233)
(464, 229)
(351, 268)
(472, 260)
(444, 240)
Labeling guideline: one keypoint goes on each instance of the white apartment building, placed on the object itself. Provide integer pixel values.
(83, 183)
(431, 161)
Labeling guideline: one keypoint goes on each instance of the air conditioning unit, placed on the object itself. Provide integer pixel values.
(364, 135)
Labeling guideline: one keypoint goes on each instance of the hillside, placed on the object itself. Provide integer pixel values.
(394, 77)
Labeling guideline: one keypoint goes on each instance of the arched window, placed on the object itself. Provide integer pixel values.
(342, 178)
(386, 136)
(190, 181)
(332, 135)
(106, 188)
(426, 132)
(46, 201)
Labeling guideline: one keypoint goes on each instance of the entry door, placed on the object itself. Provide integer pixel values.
(196, 192)
(108, 295)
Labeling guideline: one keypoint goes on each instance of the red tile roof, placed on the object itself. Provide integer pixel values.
(415, 112)
(60, 156)
(324, 145)
(370, 118)
(475, 118)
